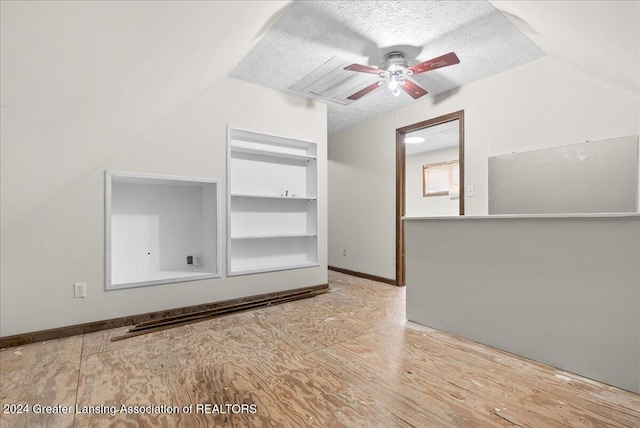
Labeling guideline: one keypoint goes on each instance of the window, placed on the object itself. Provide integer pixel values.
(441, 179)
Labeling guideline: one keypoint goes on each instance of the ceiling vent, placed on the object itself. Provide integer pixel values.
(332, 82)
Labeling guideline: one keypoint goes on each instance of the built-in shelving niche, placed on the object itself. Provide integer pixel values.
(160, 229)
(271, 202)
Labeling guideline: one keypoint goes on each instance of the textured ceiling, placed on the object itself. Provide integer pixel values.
(436, 137)
(308, 34)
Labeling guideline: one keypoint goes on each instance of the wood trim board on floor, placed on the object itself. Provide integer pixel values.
(175, 321)
(241, 303)
(363, 275)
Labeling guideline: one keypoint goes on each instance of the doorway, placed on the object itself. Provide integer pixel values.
(432, 146)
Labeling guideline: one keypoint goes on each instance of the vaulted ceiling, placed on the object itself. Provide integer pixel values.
(600, 38)
(83, 80)
(311, 33)
(118, 68)
(80, 82)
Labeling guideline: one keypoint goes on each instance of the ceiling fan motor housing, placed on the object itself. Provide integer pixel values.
(395, 70)
(394, 61)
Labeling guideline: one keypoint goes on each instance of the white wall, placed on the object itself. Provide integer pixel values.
(143, 221)
(544, 103)
(418, 205)
(62, 241)
(563, 291)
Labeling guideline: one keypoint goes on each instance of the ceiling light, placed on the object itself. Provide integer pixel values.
(413, 140)
(393, 83)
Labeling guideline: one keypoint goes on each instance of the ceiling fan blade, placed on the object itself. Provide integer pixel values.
(442, 61)
(363, 69)
(412, 89)
(362, 92)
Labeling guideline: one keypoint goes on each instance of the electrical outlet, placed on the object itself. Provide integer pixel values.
(80, 290)
(344, 253)
(196, 260)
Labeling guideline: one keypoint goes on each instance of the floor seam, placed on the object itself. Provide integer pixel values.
(75, 404)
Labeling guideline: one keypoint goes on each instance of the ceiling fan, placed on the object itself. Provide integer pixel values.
(394, 72)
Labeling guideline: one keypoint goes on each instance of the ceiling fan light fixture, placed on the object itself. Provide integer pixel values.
(393, 83)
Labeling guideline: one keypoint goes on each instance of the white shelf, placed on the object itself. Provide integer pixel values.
(260, 269)
(160, 277)
(160, 229)
(271, 153)
(267, 231)
(297, 197)
(293, 235)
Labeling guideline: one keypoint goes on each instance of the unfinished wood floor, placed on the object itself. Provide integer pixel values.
(341, 359)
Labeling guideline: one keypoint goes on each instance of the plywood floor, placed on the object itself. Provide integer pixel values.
(341, 359)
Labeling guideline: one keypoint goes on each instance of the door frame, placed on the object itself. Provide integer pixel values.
(401, 185)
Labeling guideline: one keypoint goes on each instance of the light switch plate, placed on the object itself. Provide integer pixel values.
(469, 192)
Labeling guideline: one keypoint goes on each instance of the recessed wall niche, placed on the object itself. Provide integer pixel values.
(160, 229)
(272, 188)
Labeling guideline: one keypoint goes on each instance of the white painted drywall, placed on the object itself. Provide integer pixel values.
(544, 103)
(154, 227)
(86, 80)
(62, 240)
(417, 205)
(563, 291)
(591, 177)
